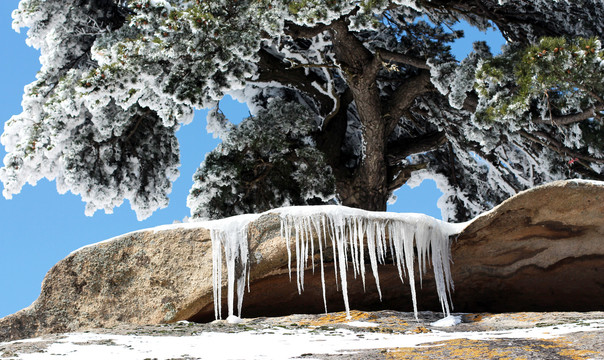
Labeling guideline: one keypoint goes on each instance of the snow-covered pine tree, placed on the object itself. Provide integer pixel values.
(369, 88)
(268, 161)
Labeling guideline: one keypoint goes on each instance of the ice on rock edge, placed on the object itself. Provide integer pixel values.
(230, 235)
(448, 321)
(350, 233)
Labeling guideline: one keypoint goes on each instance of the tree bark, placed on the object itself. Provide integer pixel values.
(369, 184)
(367, 187)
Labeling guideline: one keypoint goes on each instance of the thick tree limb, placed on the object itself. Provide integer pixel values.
(333, 133)
(297, 31)
(506, 15)
(386, 55)
(471, 102)
(273, 69)
(571, 119)
(404, 147)
(360, 68)
(403, 98)
(404, 174)
(584, 169)
(327, 66)
(342, 100)
(354, 58)
(559, 148)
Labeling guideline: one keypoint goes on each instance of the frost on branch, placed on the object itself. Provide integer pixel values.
(549, 96)
(137, 160)
(409, 239)
(362, 68)
(456, 81)
(217, 124)
(266, 161)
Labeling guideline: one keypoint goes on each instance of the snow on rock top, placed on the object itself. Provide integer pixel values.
(351, 232)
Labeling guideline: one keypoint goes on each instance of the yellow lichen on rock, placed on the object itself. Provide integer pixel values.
(339, 318)
(452, 349)
(421, 330)
(566, 349)
(501, 349)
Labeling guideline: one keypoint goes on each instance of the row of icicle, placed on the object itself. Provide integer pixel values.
(352, 234)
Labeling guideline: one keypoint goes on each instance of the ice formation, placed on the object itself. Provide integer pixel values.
(230, 235)
(448, 321)
(352, 234)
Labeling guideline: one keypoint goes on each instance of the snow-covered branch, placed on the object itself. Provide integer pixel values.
(574, 118)
(391, 56)
(404, 147)
(404, 96)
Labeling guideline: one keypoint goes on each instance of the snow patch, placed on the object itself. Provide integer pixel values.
(362, 324)
(267, 344)
(448, 321)
(232, 319)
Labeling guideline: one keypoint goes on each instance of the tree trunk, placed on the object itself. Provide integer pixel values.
(369, 181)
(367, 186)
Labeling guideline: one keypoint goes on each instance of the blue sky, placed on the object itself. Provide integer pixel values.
(39, 227)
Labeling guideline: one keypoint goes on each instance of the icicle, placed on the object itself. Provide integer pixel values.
(351, 232)
(373, 255)
(299, 276)
(397, 234)
(320, 238)
(422, 243)
(217, 272)
(286, 236)
(353, 247)
(342, 261)
(312, 244)
(395, 249)
(407, 239)
(335, 252)
(230, 236)
(361, 234)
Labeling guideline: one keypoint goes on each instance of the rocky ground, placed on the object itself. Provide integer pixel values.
(366, 335)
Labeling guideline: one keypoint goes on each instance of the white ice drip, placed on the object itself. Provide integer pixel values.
(352, 233)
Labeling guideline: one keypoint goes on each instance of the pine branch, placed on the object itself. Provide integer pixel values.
(453, 176)
(404, 147)
(562, 150)
(298, 65)
(386, 55)
(139, 119)
(403, 98)
(297, 31)
(404, 175)
(571, 119)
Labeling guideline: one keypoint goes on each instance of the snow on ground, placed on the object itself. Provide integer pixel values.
(448, 321)
(269, 343)
(361, 324)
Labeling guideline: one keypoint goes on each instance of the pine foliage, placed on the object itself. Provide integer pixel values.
(267, 161)
(349, 100)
